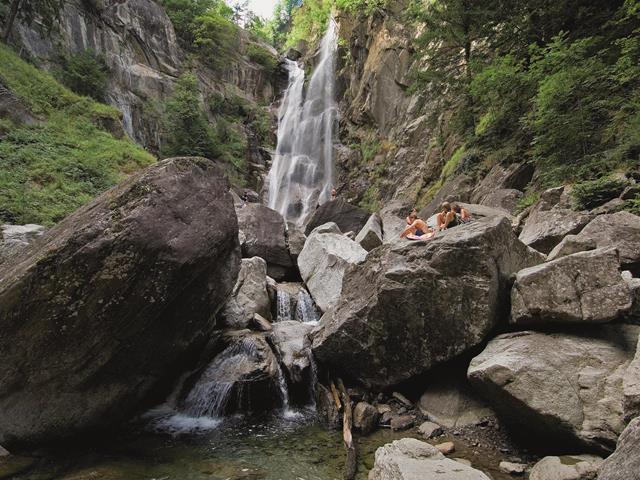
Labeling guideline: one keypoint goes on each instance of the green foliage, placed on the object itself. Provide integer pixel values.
(184, 16)
(262, 56)
(85, 73)
(526, 201)
(54, 166)
(187, 129)
(453, 163)
(216, 38)
(366, 7)
(371, 199)
(309, 21)
(591, 194)
(369, 148)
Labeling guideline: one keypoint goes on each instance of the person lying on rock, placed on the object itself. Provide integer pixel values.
(447, 217)
(461, 213)
(416, 228)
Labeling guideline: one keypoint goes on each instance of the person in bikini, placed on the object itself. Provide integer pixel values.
(462, 213)
(416, 228)
(447, 218)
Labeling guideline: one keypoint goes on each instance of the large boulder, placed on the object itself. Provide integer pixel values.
(263, 234)
(624, 464)
(568, 467)
(571, 244)
(620, 230)
(514, 177)
(409, 307)
(549, 222)
(565, 387)
(585, 287)
(349, 218)
(393, 217)
(14, 238)
(370, 236)
(411, 459)
(249, 295)
(293, 345)
(323, 261)
(107, 305)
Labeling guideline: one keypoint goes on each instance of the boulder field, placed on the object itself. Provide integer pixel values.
(106, 307)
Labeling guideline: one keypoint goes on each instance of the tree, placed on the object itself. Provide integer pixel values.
(46, 11)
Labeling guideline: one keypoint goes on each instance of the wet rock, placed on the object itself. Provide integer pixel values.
(566, 387)
(121, 291)
(262, 234)
(370, 236)
(411, 459)
(249, 296)
(292, 343)
(452, 403)
(624, 464)
(347, 217)
(365, 417)
(394, 318)
(14, 238)
(430, 430)
(585, 287)
(620, 230)
(328, 412)
(548, 224)
(323, 261)
(446, 448)
(567, 467)
(571, 244)
(511, 468)
(295, 240)
(401, 422)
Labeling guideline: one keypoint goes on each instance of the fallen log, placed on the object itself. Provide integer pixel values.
(347, 421)
(336, 396)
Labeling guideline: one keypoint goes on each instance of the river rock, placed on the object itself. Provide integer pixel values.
(349, 218)
(511, 468)
(411, 459)
(571, 244)
(370, 236)
(401, 422)
(323, 261)
(293, 346)
(120, 291)
(567, 467)
(585, 287)
(242, 377)
(545, 227)
(263, 234)
(409, 307)
(249, 295)
(365, 417)
(565, 387)
(451, 403)
(430, 430)
(620, 230)
(624, 464)
(14, 238)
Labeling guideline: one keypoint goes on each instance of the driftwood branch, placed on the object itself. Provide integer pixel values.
(336, 396)
(350, 465)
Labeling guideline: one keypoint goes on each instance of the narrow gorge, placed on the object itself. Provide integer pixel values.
(230, 248)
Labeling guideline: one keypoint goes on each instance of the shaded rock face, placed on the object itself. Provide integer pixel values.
(502, 186)
(323, 261)
(584, 287)
(370, 236)
(624, 464)
(349, 218)
(409, 307)
(119, 293)
(243, 376)
(411, 459)
(14, 238)
(249, 295)
(568, 467)
(567, 388)
(263, 234)
(571, 244)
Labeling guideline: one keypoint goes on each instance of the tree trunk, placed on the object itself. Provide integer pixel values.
(13, 12)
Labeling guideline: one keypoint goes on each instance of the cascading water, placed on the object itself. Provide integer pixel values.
(305, 309)
(302, 172)
(283, 306)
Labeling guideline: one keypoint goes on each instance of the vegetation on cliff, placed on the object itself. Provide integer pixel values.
(72, 151)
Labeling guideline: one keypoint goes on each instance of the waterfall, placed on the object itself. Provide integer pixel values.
(305, 309)
(283, 306)
(302, 173)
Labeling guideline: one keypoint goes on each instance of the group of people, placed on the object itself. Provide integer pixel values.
(450, 215)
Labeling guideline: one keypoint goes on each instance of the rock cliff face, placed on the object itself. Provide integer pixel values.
(140, 48)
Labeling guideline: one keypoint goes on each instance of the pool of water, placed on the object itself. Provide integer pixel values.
(278, 447)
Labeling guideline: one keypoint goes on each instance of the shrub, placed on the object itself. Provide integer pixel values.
(263, 57)
(591, 194)
(85, 73)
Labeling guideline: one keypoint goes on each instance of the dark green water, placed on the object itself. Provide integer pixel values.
(238, 449)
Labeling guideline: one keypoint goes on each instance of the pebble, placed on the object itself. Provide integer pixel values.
(401, 422)
(512, 468)
(4, 452)
(446, 448)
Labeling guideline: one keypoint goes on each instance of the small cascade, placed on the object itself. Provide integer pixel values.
(306, 309)
(313, 381)
(283, 307)
(284, 389)
(302, 171)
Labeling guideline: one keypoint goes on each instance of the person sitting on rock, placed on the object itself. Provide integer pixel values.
(461, 213)
(416, 228)
(446, 218)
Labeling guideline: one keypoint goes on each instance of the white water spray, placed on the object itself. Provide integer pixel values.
(302, 173)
